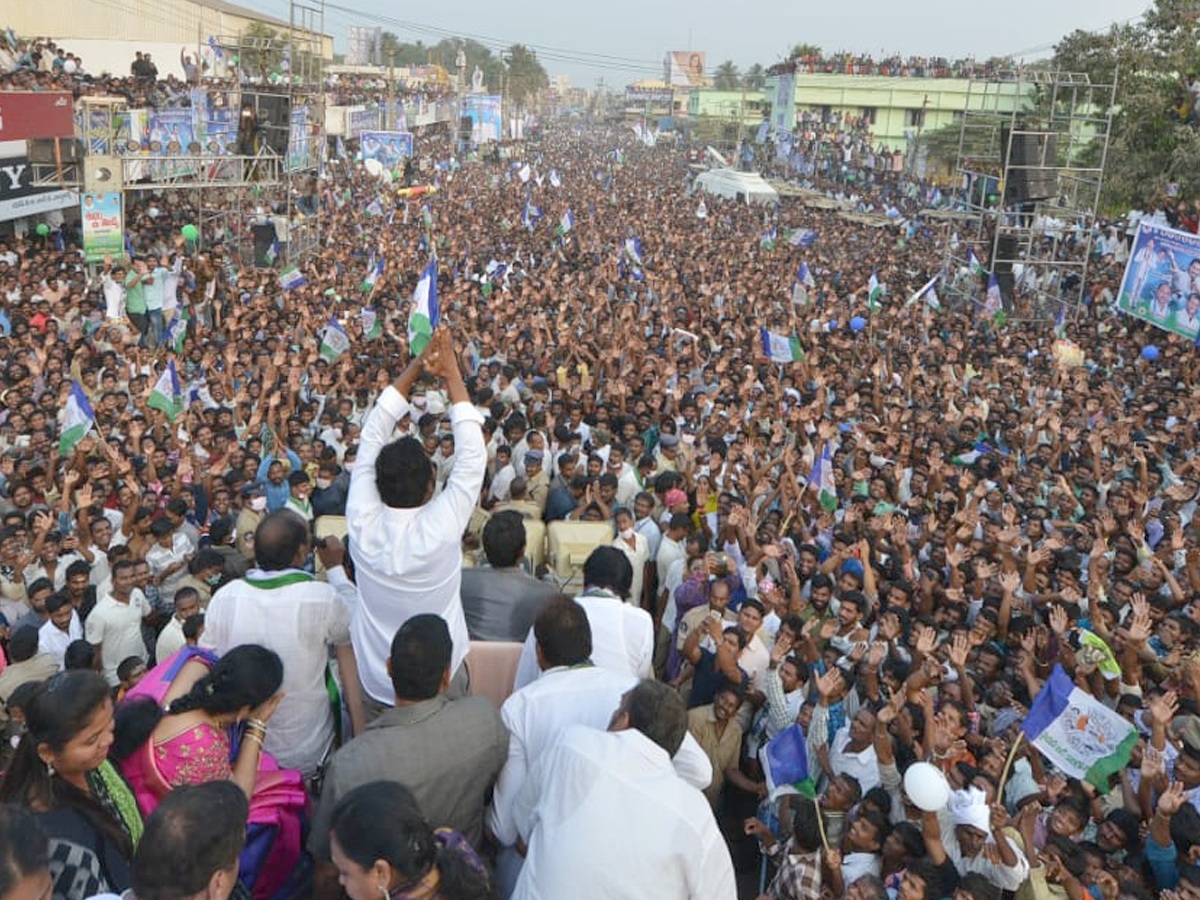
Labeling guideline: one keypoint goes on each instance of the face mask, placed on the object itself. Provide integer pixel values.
(213, 580)
(349, 467)
(627, 533)
(258, 504)
(323, 483)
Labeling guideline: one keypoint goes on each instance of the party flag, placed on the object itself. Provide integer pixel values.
(424, 316)
(166, 396)
(77, 421)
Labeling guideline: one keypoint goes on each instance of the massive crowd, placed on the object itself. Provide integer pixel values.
(189, 647)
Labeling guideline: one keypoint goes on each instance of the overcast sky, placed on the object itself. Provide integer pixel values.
(625, 40)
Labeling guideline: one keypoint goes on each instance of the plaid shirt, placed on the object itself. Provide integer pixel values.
(798, 876)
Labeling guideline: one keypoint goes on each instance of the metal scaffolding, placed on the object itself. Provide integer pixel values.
(1031, 174)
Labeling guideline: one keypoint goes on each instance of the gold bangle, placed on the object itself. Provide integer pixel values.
(257, 723)
(252, 736)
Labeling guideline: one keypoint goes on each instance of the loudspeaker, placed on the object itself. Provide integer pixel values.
(264, 237)
(102, 174)
(1033, 161)
(41, 151)
(274, 114)
(1006, 252)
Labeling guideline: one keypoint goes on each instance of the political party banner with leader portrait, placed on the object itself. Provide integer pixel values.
(390, 148)
(1162, 279)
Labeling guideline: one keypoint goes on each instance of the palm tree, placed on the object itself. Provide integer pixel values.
(753, 79)
(804, 50)
(725, 78)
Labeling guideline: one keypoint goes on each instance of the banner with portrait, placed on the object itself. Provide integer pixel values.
(484, 112)
(103, 225)
(784, 107)
(389, 148)
(1162, 279)
(685, 68)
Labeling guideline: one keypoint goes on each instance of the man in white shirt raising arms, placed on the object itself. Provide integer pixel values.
(405, 542)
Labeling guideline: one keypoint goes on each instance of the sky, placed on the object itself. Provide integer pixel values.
(625, 40)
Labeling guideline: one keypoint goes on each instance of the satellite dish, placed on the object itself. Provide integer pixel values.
(102, 174)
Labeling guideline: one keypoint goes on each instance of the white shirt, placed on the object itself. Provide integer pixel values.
(116, 628)
(863, 765)
(611, 817)
(299, 618)
(622, 638)
(160, 558)
(53, 641)
(536, 717)
(170, 640)
(638, 555)
(409, 561)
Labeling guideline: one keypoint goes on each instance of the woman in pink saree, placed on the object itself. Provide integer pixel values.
(195, 718)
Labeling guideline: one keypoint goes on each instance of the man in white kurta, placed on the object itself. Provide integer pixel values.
(622, 634)
(611, 818)
(283, 608)
(569, 691)
(408, 560)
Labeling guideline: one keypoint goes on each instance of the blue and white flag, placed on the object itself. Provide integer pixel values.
(372, 325)
(785, 764)
(524, 172)
(374, 208)
(78, 420)
(555, 181)
(763, 130)
(334, 340)
(803, 237)
(374, 270)
(928, 293)
(166, 395)
(633, 249)
(804, 276)
(530, 215)
(425, 314)
(780, 348)
(973, 262)
(340, 148)
(767, 241)
(1060, 322)
(820, 479)
(292, 278)
(272, 253)
(567, 222)
(1079, 734)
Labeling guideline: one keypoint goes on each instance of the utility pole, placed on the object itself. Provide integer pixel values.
(390, 112)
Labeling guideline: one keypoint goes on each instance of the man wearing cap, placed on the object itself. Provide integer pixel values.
(537, 479)
(406, 542)
(254, 506)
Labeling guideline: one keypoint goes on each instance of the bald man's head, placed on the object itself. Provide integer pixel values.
(279, 540)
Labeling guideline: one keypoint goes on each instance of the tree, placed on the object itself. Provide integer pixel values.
(1150, 144)
(805, 50)
(262, 50)
(389, 46)
(725, 78)
(526, 77)
(754, 78)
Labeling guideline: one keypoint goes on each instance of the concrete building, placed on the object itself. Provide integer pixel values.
(105, 33)
(893, 105)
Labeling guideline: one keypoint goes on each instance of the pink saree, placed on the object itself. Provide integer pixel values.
(277, 809)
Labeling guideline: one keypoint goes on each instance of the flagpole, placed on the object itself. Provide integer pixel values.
(1012, 754)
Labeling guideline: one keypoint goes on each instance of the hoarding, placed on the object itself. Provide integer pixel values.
(390, 148)
(685, 68)
(18, 196)
(103, 226)
(484, 111)
(29, 115)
